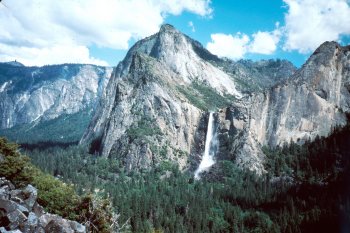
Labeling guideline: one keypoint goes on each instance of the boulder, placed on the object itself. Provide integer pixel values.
(3, 230)
(58, 226)
(38, 210)
(31, 195)
(15, 219)
(19, 212)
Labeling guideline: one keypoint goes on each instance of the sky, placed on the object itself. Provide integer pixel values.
(42, 32)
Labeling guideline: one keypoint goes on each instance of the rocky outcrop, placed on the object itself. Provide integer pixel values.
(311, 102)
(33, 94)
(19, 212)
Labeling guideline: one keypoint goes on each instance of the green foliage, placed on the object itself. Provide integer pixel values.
(54, 195)
(98, 214)
(306, 190)
(63, 129)
(144, 127)
(14, 166)
(205, 97)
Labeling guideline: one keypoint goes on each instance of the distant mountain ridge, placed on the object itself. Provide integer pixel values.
(31, 96)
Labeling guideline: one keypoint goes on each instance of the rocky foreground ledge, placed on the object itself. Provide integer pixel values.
(20, 213)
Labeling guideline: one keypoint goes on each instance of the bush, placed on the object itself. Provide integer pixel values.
(54, 195)
(14, 166)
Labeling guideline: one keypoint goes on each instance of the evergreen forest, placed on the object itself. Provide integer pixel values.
(306, 188)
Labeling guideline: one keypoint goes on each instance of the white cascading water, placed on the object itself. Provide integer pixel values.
(210, 149)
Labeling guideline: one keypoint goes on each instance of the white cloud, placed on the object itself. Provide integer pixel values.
(265, 42)
(55, 54)
(228, 45)
(191, 25)
(308, 23)
(175, 7)
(236, 46)
(39, 32)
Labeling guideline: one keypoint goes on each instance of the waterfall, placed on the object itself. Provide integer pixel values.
(211, 145)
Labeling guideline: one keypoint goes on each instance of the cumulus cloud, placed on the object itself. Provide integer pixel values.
(236, 46)
(231, 46)
(308, 23)
(39, 32)
(265, 42)
(54, 54)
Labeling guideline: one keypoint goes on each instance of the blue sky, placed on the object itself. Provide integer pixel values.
(247, 16)
(40, 32)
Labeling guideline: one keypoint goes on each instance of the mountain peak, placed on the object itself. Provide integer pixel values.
(167, 28)
(326, 47)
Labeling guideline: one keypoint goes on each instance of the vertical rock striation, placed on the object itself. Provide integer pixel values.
(311, 102)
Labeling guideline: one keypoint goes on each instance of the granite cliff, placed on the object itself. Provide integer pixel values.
(157, 100)
(311, 102)
(33, 97)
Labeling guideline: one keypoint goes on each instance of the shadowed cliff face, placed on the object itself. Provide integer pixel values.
(310, 103)
(156, 104)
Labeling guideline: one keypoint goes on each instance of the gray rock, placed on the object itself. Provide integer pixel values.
(5, 183)
(23, 209)
(55, 223)
(3, 230)
(38, 210)
(4, 193)
(58, 226)
(32, 219)
(30, 194)
(15, 218)
(46, 218)
(8, 206)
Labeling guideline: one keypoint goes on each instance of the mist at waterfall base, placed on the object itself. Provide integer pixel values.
(211, 145)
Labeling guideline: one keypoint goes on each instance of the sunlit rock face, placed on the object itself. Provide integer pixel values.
(33, 94)
(147, 118)
(311, 102)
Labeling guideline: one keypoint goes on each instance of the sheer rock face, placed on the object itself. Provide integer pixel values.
(310, 103)
(144, 118)
(30, 94)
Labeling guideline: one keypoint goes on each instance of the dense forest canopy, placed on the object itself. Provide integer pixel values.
(306, 189)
